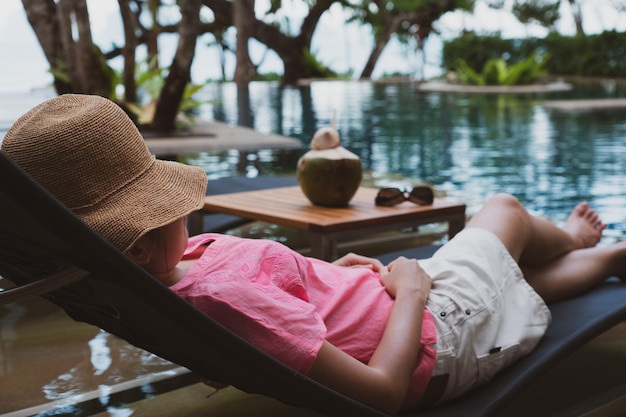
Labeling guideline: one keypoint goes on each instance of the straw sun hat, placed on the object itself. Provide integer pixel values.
(88, 153)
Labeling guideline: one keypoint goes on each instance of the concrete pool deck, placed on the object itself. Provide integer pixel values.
(443, 87)
(580, 105)
(216, 137)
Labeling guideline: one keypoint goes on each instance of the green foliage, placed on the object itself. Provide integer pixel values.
(601, 55)
(150, 80)
(395, 74)
(476, 50)
(495, 4)
(61, 72)
(529, 70)
(270, 76)
(314, 68)
(109, 72)
(497, 72)
(467, 75)
(368, 13)
(544, 12)
(410, 5)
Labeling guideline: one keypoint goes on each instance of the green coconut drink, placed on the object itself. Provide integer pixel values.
(329, 174)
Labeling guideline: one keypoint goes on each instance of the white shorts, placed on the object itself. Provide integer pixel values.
(487, 316)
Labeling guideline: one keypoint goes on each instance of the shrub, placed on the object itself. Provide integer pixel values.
(601, 55)
(497, 72)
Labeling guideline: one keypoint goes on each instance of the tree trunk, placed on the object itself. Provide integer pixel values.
(294, 68)
(152, 34)
(578, 18)
(422, 18)
(94, 76)
(180, 69)
(68, 57)
(380, 43)
(130, 44)
(88, 69)
(291, 49)
(43, 18)
(77, 65)
(243, 18)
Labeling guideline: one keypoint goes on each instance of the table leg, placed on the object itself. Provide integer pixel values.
(455, 225)
(321, 246)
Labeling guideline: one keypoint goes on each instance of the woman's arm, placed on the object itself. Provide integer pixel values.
(384, 382)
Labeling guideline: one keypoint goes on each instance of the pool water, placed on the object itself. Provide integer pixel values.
(469, 146)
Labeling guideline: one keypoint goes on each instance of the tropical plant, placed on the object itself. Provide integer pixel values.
(150, 80)
(497, 72)
(316, 67)
(601, 55)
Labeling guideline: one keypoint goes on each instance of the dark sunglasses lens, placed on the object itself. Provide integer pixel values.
(422, 195)
(389, 197)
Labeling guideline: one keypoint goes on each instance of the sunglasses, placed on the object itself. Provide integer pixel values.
(422, 195)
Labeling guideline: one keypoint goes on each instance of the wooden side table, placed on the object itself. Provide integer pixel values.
(288, 206)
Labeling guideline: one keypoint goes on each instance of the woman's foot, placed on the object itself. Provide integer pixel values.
(585, 226)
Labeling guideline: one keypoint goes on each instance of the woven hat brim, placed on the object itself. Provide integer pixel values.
(166, 192)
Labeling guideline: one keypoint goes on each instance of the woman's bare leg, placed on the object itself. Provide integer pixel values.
(557, 262)
(577, 271)
(532, 240)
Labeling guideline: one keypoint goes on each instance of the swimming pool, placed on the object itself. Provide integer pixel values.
(469, 146)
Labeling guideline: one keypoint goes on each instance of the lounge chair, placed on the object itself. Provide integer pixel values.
(47, 251)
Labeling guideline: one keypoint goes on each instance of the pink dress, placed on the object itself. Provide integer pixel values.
(287, 304)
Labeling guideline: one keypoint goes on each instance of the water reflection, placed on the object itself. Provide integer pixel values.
(47, 358)
(469, 145)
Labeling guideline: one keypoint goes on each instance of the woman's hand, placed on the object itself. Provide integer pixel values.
(352, 259)
(407, 274)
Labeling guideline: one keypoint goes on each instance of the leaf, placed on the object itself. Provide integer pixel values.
(495, 71)
(467, 75)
